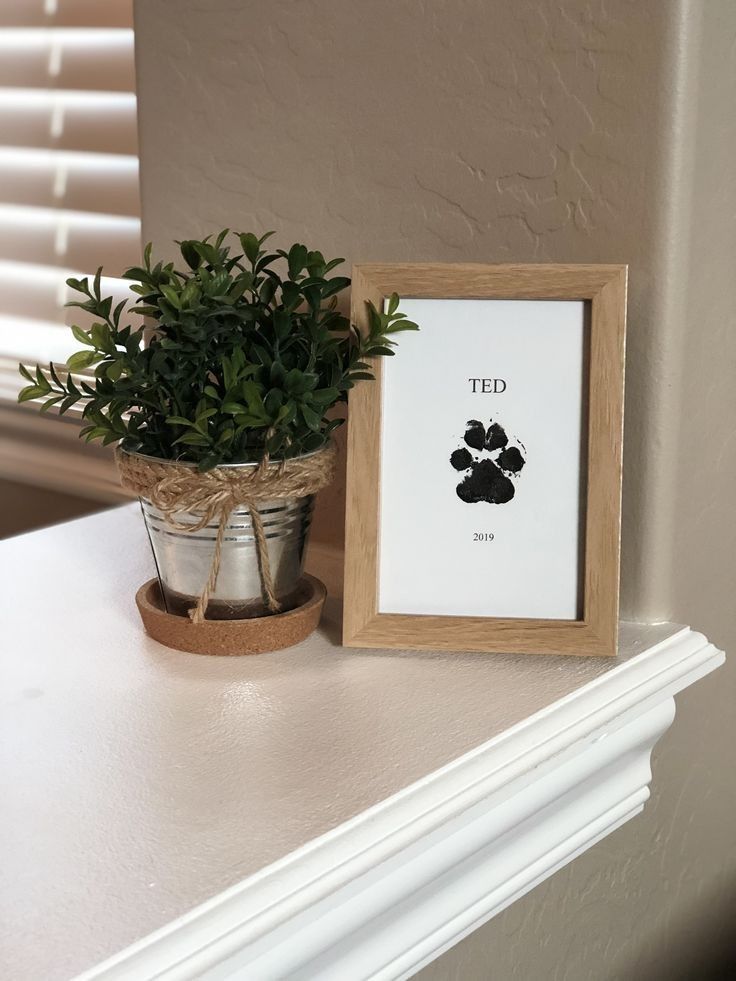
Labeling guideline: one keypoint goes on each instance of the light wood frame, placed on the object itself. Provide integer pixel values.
(604, 287)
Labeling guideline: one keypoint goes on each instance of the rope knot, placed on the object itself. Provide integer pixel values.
(176, 488)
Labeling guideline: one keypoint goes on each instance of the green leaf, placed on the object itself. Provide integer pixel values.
(268, 288)
(192, 439)
(336, 285)
(393, 304)
(297, 259)
(262, 354)
(201, 424)
(312, 418)
(251, 422)
(68, 402)
(51, 402)
(250, 246)
(118, 311)
(31, 392)
(281, 324)
(252, 395)
(190, 295)
(315, 263)
(284, 413)
(291, 295)
(172, 296)
(94, 432)
(115, 370)
(325, 396)
(273, 401)
(137, 274)
(82, 336)
(81, 360)
(294, 381)
(190, 254)
(100, 335)
(243, 283)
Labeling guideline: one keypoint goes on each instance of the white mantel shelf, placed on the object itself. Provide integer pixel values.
(314, 813)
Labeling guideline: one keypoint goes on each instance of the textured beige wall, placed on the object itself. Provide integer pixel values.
(533, 130)
(397, 130)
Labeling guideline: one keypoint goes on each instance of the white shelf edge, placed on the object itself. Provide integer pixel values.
(463, 843)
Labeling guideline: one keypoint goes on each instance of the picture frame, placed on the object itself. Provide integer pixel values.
(539, 344)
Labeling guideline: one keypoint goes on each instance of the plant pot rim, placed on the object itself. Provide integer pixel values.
(220, 466)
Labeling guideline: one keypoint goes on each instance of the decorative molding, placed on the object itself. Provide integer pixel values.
(385, 893)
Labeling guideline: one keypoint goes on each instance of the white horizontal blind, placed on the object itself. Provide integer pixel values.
(69, 190)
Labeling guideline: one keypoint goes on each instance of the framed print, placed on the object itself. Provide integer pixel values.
(484, 463)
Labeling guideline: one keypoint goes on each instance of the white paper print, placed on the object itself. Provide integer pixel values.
(482, 423)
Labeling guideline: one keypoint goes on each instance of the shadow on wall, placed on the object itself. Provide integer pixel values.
(24, 507)
(703, 946)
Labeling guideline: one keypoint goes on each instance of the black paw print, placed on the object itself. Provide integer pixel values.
(487, 478)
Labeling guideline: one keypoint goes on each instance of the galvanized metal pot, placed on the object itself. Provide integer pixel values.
(183, 559)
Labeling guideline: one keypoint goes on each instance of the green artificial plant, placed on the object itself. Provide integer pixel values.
(245, 353)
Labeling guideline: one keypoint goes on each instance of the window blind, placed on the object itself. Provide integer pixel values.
(69, 189)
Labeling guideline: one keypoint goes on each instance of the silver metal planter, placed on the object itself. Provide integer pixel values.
(184, 559)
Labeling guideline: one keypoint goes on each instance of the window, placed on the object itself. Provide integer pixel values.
(69, 202)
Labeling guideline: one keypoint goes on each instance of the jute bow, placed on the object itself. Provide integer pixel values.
(174, 488)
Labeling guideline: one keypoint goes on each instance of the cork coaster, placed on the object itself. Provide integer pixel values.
(254, 636)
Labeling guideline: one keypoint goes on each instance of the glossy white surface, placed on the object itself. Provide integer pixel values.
(140, 781)
(388, 891)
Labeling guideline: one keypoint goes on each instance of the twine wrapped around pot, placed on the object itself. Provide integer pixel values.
(174, 488)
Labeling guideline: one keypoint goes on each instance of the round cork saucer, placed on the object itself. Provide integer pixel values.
(231, 637)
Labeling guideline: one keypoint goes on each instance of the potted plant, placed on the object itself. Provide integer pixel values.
(219, 407)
